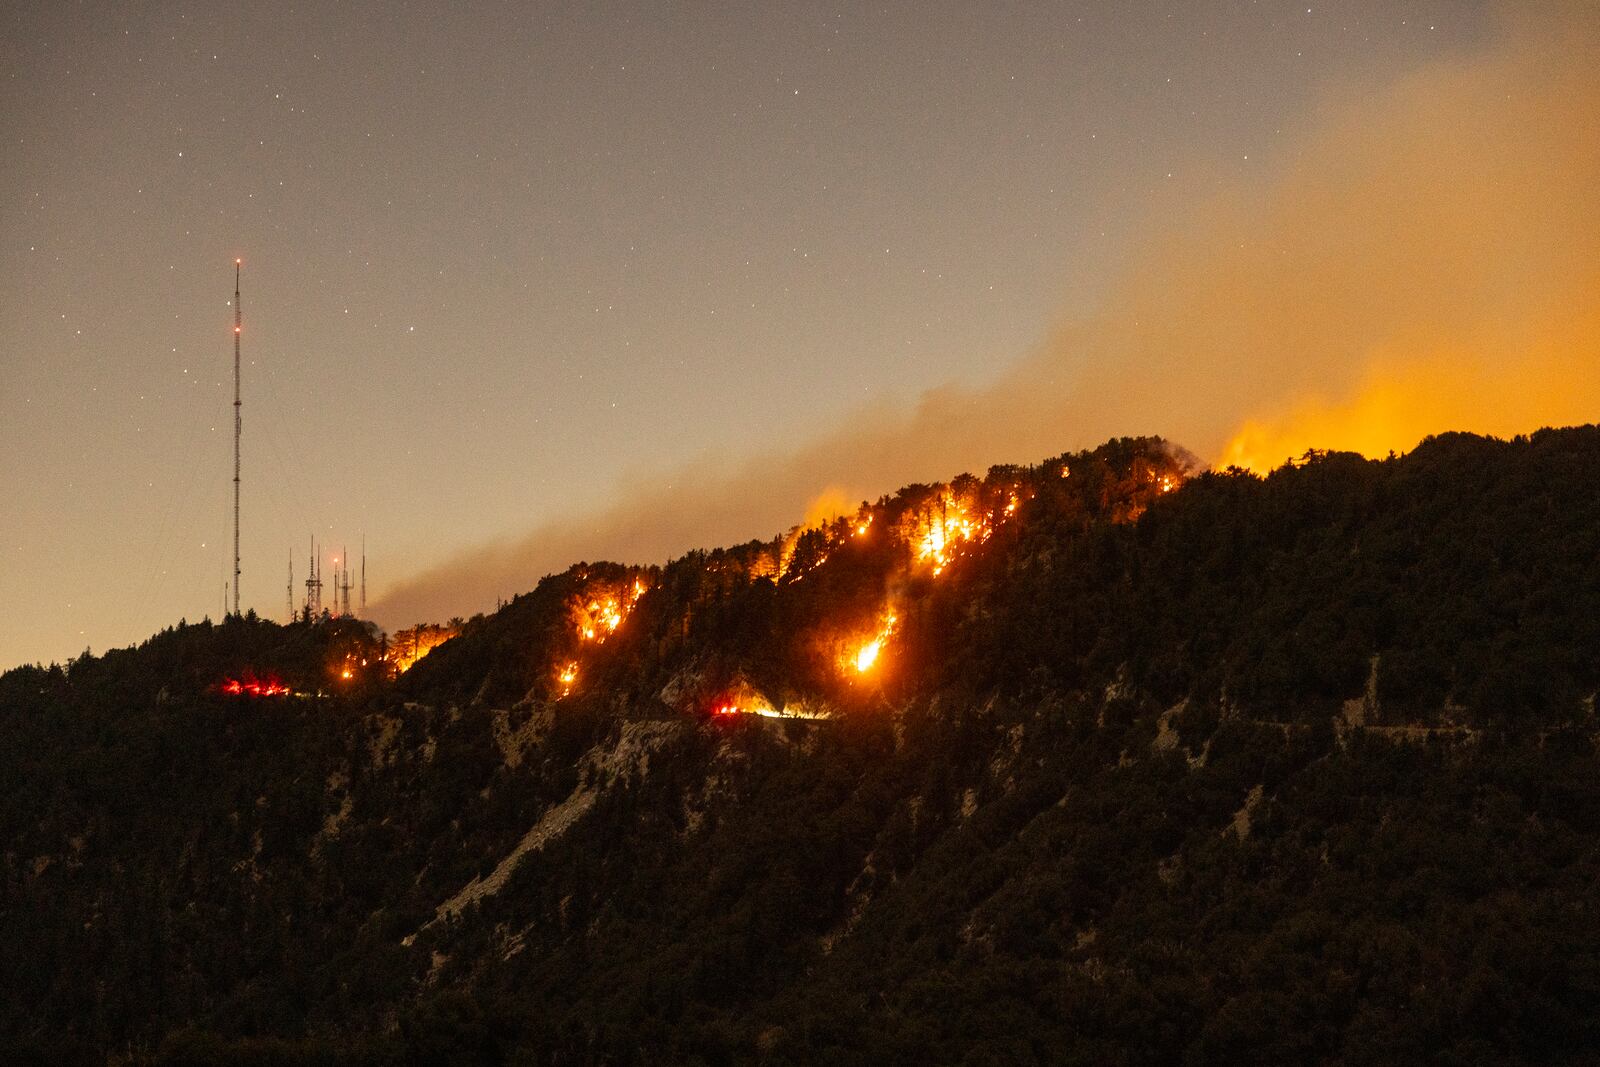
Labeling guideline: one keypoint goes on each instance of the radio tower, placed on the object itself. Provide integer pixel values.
(346, 574)
(363, 576)
(314, 585)
(238, 325)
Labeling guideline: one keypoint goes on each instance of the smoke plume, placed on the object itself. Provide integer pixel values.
(1427, 258)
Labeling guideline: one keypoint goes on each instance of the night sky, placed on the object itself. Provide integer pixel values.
(506, 263)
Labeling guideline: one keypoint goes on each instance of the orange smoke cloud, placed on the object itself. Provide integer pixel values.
(1403, 399)
(828, 505)
(1425, 258)
(1443, 266)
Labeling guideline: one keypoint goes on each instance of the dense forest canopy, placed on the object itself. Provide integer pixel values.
(1102, 760)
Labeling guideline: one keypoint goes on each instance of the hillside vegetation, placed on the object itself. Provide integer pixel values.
(1100, 761)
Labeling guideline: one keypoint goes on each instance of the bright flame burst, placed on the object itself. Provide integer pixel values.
(567, 675)
(867, 655)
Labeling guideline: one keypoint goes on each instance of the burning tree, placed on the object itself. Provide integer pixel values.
(409, 646)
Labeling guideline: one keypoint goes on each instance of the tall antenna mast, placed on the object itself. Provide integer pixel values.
(291, 585)
(238, 325)
(363, 576)
(314, 584)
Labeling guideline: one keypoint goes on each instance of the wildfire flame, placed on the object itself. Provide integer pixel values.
(597, 612)
(567, 676)
(953, 525)
(751, 703)
(254, 687)
(411, 645)
(602, 613)
(867, 655)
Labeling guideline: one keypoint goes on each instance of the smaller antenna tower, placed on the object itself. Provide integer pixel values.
(344, 575)
(314, 585)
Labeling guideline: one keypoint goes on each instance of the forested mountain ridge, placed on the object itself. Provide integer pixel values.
(1101, 760)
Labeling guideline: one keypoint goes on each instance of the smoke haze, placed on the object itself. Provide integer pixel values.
(1425, 259)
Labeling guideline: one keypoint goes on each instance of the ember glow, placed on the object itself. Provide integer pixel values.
(254, 687)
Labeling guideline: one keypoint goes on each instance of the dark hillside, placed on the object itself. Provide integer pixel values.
(1097, 761)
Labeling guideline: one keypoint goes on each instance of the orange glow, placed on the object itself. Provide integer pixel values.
(1400, 401)
(411, 645)
(830, 504)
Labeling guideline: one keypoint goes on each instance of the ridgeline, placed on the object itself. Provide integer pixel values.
(1100, 761)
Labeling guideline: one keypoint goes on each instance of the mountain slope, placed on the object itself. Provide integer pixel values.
(1092, 761)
